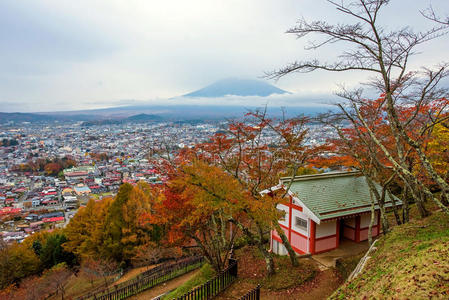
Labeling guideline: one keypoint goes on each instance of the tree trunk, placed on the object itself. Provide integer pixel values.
(267, 255)
(423, 212)
(208, 256)
(395, 208)
(406, 174)
(420, 196)
(396, 124)
(380, 201)
(406, 208)
(259, 241)
(445, 196)
(384, 221)
(269, 262)
(287, 245)
(371, 223)
(444, 199)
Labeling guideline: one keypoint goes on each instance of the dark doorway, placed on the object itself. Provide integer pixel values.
(341, 226)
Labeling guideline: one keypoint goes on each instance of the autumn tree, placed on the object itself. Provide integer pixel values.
(99, 156)
(10, 292)
(99, 268)
(16, 262)
(52, 169)
(52, 253)
(49, 166)
(30, 288)
(88, 270)
(56, 278)
(38, 252)
(135, 233)
(385, 55)
(438, 152)
(112, 228)
(354, 149)
(115, 222)
(85, 231)
(196, 205)
(124, 231)
(147, 256)
(256, 152)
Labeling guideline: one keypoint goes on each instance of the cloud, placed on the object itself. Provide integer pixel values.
(274, 100)
(93, 53)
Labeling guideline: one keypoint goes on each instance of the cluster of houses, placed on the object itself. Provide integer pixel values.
(41, 194)
(122, 149)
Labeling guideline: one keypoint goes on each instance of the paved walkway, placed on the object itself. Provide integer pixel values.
(346, 248)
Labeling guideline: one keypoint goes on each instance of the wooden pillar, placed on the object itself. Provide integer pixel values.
(357, 229)
(312, 237)
(290, 221)
(337, 233)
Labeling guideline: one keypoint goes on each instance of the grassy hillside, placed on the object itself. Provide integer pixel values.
(410, 263)
(205, 273)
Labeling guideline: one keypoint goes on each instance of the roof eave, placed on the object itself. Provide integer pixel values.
(312, 215)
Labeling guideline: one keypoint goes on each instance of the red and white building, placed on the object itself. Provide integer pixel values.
(323, 210)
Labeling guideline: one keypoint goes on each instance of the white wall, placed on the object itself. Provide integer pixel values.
(297, 213)
(326, 229)
(365, 219)
(284, 208)
(278, 248)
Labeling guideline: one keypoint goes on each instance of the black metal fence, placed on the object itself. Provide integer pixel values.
(254, 294)
(214, 286)
(147, 279)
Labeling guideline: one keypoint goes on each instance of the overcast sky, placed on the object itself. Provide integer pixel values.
(60, 55)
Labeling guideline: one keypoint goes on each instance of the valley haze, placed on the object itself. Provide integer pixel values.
(227, 98)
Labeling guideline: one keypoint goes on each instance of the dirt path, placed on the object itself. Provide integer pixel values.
(321, 287)
(164, 287)
(133, 273)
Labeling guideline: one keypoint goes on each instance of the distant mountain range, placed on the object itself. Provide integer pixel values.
(236, 87)
(176, 110)
(24, 117)
(88, 119)
(175, 113)
(47, 117)
(140, 118)
(144, 118)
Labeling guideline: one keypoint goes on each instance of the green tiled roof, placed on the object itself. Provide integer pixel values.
(332, 195)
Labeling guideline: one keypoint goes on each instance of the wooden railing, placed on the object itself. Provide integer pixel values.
(214, 286)
(254, 294)
(147, 279)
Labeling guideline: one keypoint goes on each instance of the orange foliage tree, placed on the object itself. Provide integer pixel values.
(196, 205)
(111, 228)
(366, 141)
(257, 151)
(253, 153)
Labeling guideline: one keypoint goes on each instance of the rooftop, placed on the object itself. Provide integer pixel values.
(336, 194)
